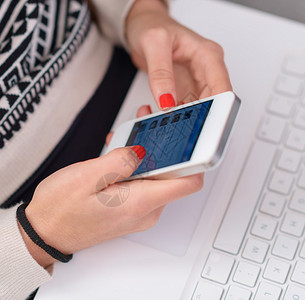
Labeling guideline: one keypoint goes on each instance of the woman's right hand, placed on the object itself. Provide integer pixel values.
(85, 203)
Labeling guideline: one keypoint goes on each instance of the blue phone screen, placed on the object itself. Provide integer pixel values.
(169, 138)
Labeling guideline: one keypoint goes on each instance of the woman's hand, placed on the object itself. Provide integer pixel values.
(85, 203)
(178, 61)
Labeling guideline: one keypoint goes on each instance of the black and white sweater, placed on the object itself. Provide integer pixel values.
(52, 58)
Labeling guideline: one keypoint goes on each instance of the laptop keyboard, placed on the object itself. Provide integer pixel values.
(259, 251)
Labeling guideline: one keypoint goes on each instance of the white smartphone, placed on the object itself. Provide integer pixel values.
(185, 140)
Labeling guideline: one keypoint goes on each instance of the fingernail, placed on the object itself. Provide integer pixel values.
(149, 109)
(139, 150)
(167, 101)
(182, 103)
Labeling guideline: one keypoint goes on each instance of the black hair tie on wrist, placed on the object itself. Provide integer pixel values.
(27, 227)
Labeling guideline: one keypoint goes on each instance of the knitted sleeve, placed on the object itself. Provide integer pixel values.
(20, 274)
(111, 16)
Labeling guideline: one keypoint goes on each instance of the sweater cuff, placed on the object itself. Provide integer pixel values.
(111, 16)
(20, 274)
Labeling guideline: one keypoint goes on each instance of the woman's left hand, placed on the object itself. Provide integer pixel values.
(178, 61)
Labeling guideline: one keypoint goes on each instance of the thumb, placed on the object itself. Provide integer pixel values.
(119, 164)
(157, 48)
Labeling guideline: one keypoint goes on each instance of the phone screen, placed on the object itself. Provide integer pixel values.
(169, 138)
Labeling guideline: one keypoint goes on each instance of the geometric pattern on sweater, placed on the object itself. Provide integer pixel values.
(37, 40)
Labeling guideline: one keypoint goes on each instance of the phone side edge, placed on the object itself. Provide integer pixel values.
(225, 140)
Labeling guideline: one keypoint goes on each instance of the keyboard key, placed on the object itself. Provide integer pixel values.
(296, 139)
(294, 293)
(289, 160)
(271, 129)
(255, 250)
(234, 225)
(303, 100)
(285, 247)
(218, 267)
(281, 106)
(293, 224)
(297, 201)
(264, 227)
(299, 119)
(281, 182)
(302, 252)
(276, 270)
(237, 293)
(205, 290)
(295, 65)
(273, 204)
(298, 274)
(267, 291)
(288, 85)
(246, 274)
(301, 180)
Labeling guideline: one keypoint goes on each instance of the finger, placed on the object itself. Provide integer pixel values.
(149, 220)
(143, 111)
(205, 92)
(148, 195)
(97, 174)
(109, 137)
(208, 68)
(185, 86)
(217, 77)
(157, 48)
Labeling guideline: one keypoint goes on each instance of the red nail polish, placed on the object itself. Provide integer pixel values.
(139, 150)
(167, 101)
(149, 109)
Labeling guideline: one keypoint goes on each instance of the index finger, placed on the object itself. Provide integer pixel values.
(210, 69)
(157, 48)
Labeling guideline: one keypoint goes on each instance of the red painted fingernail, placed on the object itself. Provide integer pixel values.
(167, 101)
(149, 109)
(139, 150)
(182, 103)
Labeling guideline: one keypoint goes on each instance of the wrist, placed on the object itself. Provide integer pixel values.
(41, 257)
(37, 243)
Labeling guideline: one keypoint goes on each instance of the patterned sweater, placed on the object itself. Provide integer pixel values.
(52, 58)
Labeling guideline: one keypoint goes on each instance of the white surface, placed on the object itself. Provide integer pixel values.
(292, 9)
(122, 269)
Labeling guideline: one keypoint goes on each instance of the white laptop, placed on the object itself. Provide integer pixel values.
(242, 236)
